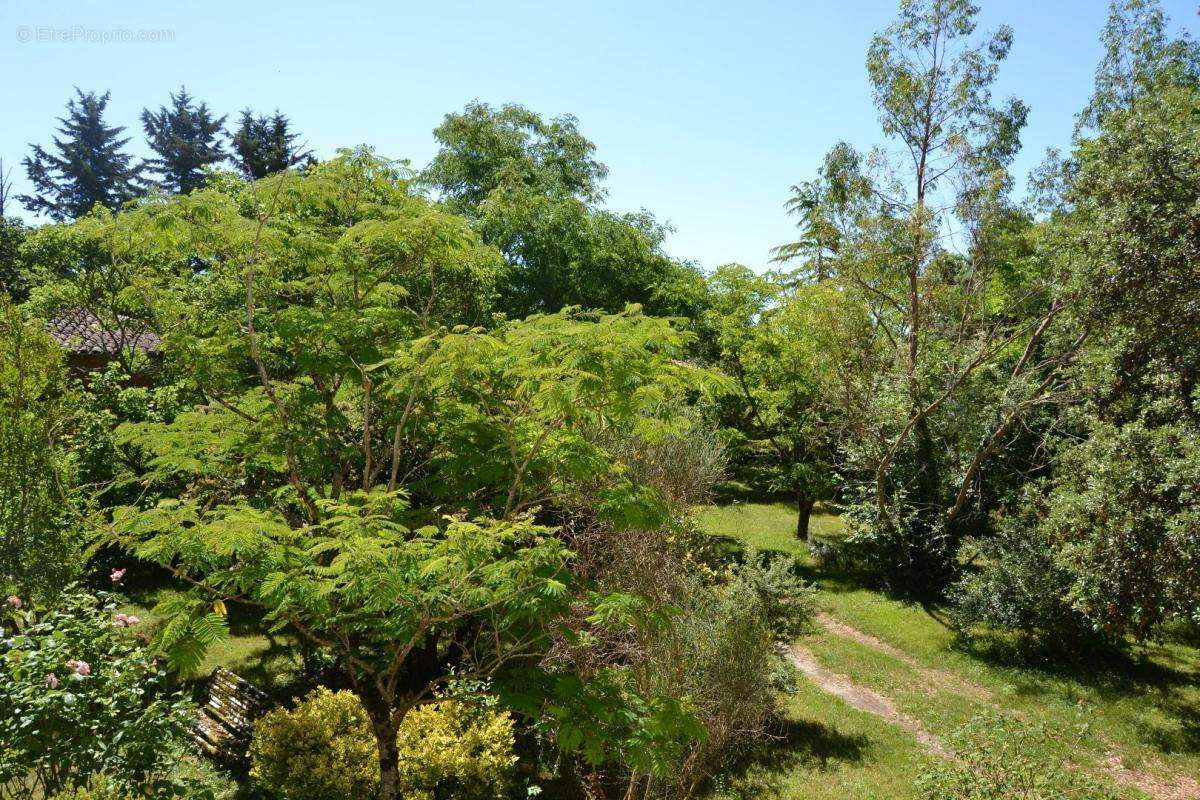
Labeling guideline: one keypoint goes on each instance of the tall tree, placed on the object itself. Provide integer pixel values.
(264, 145)
(1139, 57)
(12, 233)
(5, 189)
(827, 209)
(186, 139)
(88, 165)
(532, 187)
(374, 461)
(942, 263)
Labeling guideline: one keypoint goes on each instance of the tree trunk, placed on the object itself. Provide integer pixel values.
(385, 724)
(806, 504)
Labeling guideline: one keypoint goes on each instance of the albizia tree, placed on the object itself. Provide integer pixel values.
(378, 465)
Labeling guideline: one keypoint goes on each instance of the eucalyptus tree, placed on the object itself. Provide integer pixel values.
(378, 464)
(963, 301)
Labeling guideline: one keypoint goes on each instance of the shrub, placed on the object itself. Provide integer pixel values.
(324, 749)
(321, 749)
(40, 550)
(80, 694)
(1020, 588)
(786, 601)
(96, 789)
(195, 780)
(996, 759)
(456, 749)
(1109, 549)
(720, 653)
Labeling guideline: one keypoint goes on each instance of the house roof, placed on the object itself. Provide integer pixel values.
(80, 331)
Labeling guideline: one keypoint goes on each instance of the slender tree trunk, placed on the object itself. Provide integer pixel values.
(385, 724)
(805, 504)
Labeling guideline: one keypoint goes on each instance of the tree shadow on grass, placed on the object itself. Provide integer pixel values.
(794, 744)
(1112, 674)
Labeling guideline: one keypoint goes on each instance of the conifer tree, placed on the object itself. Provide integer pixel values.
(264, 145)
(88, 164)
(185, 139)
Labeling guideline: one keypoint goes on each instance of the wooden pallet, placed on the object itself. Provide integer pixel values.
(226, 721)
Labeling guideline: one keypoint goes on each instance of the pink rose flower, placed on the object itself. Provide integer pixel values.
(117, 575)
(132, 620)
(52, 680)
(80, 667)
(14, 601)
(123, 620)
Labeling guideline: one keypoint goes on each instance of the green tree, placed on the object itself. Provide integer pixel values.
(775, 337)
(828, 207)
(88, 165)
(1139, 58)
(377, 472)
(533, 188)
(12, 277)
(264, 145)
(1108, 547)
(40, 550)
(962, 297)
(185, 139)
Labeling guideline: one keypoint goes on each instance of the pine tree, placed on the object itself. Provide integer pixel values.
(266, 144)
(89, 165)
(185, 139)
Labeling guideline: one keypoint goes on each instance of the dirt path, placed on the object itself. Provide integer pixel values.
(864, 699)
(860, 697)
(934, 678)
(1175, 788)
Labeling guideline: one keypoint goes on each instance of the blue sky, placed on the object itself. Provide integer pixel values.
(704, 111)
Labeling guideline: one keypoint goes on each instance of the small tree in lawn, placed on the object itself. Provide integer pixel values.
(369, 466)
(777, 340)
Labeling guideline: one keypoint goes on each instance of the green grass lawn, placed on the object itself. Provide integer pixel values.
(269, 660)
(1143, 707)
(767, 526)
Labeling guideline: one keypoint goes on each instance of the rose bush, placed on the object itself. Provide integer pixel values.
(79, 696)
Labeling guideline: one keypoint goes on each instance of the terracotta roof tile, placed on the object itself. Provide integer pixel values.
(79, 330)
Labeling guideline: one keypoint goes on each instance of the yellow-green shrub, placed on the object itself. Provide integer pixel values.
(456, 749)
(324, 749)
(95, 790)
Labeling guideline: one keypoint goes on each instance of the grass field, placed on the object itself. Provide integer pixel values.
(1132, 720)
(266, 659)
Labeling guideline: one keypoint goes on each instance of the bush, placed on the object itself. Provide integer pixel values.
(321, 749)
(720, 653)
(80, 694)
(40, 550)
(195, 780)
(997, 759)
(456, 749)
(324, 749)
(1020, 588)
(97, 789)
(1109, 549)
